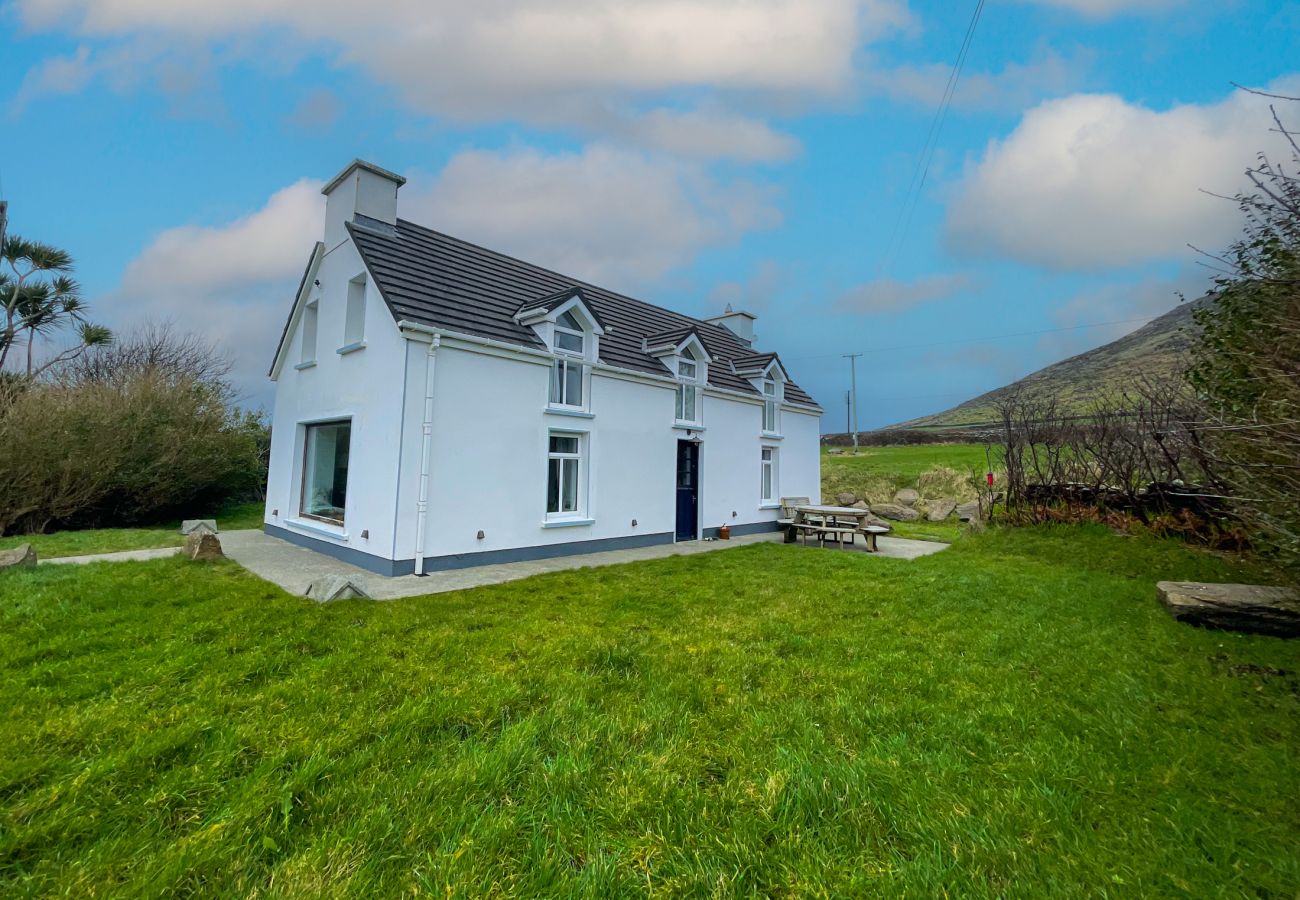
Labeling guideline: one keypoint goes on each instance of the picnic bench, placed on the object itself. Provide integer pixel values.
(799, 517)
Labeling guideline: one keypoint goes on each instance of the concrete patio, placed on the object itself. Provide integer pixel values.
(294, 568)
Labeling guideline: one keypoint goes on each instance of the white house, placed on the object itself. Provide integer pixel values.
(440, 405)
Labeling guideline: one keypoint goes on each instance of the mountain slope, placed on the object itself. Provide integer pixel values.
(1159, 347)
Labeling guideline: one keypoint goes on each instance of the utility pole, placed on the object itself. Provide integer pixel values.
(4, 220)
(853, 394)
(848, 412)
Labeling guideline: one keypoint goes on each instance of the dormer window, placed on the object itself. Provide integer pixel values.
(568, 372)
(569, 335)
(688, 392)
(771, 406)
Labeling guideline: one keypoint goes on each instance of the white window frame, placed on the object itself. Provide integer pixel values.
(769, 475)
(771, 406)
(566, 359)
(579, 512)
(354, 318)
(688, 386)
(305, 457)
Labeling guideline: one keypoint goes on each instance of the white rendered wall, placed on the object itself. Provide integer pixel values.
(365, 386)
(489, 456)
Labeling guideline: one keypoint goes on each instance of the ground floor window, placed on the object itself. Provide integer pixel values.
(325, 471)
(564, 473)
(769, 478)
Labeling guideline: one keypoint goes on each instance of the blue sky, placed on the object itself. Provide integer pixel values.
(692, 153)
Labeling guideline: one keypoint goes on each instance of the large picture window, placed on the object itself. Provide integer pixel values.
(325, 471)
(564, 475)
(769, 475)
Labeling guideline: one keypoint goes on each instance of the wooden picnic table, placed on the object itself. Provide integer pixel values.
(833, 517)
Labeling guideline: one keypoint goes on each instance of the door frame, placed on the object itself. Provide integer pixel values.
(699, 489)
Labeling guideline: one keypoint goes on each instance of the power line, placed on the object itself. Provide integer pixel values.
(979, 340)
(917, 184)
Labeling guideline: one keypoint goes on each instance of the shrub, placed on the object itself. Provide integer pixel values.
(139, 446)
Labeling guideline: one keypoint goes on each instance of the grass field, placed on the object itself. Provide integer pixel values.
(109, 540)
(1011, 717)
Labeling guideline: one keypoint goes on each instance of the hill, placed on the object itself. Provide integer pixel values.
(1159, 347)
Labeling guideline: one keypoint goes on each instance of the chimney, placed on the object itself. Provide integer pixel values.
(738, 322)
(361, 189)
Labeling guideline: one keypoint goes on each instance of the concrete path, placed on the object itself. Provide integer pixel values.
(294, 568)
(120, 556)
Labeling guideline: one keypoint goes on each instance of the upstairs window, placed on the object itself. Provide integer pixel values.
(569, 335)
(307, 347)
(771, 406)
(688, 392)
(568, 372)
(354, 325)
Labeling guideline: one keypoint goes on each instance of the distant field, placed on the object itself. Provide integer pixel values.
(877, 473)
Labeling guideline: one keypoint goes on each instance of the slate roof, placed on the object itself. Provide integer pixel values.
(443, 282)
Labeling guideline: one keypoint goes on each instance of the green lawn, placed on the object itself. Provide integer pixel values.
(109, 540)
(1011, 717)
(906, 463)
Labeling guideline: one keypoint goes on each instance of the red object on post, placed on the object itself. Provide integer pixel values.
(990, 479)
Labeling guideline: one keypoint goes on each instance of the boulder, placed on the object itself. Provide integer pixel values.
(938, 510)
(861, 504)
(876, 520)
(896, 511)
(846, 498)
(329, 588)
(907, 497)
(189, 526)
(20, 557)
(1233, 607)
(968, 512)
(203, 545)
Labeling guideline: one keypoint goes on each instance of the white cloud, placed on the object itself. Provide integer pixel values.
(562, 62)
(1092, 180)
(1013, 88)
(889, 295)
(611, 215)
(617, 217)
(705, 134)
(231, 284)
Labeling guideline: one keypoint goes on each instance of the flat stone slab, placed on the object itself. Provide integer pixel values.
(20, 557)
(189, 526)
(1254, 608)
(329, 588)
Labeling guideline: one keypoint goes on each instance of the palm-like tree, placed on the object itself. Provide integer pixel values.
(41, 298)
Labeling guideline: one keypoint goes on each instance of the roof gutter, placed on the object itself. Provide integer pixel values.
(406, 325)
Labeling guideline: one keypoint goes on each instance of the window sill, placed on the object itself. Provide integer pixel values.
(565, 411)
(771, 436)
(319, 528)
(351, 348)
(769, 506)
(687, 426)
(567, 523)
(305, 365)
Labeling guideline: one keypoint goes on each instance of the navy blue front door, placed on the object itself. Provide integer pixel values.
(688, 490)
